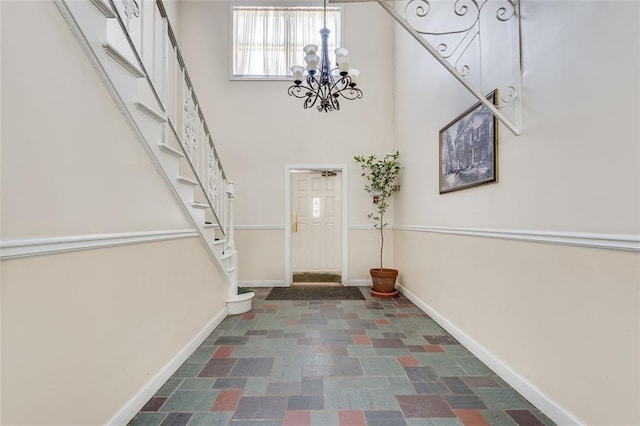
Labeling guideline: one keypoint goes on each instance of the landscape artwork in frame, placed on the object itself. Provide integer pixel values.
(468, 149)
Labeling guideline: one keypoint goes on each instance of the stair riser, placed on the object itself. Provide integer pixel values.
(171, 166)
(186, 194)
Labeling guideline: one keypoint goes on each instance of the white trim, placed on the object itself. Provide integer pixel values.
(344, 188)
(150, 112)
(72, 9)
(132, 68)
(104, 8)
(554, 411)
(627, 242)
(259, 227)
(365, 227)
(170, 150)
(282, 227)
(263, 283)
(133, 406)
(240, 303)
(186, 181)
(34, 247)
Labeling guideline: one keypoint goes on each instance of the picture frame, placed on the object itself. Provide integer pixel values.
(469, 149)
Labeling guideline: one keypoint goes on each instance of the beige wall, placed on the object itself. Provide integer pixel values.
(260, 255)
(575, 165)
(261, 260)
(83, 332)
(258, 128)
(71, 165)
(549, 312)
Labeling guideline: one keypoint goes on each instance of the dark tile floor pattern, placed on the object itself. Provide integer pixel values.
(373, 362)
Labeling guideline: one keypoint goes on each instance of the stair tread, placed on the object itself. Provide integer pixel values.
(113, 52)
(150, 112)
(186, 181)
(104, 7)
(170, 150)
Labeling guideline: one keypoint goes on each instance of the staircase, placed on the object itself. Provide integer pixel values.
(132, 47)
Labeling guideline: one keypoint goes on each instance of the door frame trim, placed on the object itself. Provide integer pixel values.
(344, 237)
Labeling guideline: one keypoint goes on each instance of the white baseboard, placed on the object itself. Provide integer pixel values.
(263, 283)
(527, 389)
(133, 406)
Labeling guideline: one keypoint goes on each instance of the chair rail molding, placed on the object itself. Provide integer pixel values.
(39, 246)
(626, 242)
(260, 227)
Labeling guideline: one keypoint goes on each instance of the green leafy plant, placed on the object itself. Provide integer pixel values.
(383, 180)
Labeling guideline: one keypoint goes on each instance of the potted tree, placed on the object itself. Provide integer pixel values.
(382, 181)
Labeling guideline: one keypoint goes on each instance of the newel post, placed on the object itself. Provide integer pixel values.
(231, 243)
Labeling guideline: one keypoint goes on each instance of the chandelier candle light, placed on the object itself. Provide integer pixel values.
(325, 86)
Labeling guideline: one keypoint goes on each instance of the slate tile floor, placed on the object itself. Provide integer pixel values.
(367, 362)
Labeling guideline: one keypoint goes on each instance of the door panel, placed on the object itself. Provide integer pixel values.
(316, 246)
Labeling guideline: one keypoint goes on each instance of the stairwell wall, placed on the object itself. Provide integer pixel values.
(258, 129)
(547, 312)
(84, 331)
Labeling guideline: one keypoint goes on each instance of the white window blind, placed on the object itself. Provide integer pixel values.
(267, 41)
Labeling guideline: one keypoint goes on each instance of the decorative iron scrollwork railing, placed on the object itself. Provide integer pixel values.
(478, 41)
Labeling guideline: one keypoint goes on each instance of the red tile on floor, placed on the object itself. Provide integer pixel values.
(403, 315)
(407, 361)
(227, 400)
(324, 349)
(223, 352)
(249, 316)
(297, 418)
(293, 322)
(382, 321)
(361, 339)
(471, 417)
(434, 348)
(270, 306)
(351, 418)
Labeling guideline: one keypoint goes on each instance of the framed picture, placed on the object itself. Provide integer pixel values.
(468, 149)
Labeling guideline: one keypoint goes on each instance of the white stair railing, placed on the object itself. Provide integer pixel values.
(134, 51)
(150, 37)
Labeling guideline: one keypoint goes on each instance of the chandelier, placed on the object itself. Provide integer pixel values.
(324, 87)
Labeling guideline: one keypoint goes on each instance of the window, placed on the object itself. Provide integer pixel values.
(267, 41)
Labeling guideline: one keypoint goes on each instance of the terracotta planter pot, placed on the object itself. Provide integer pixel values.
(384, 282)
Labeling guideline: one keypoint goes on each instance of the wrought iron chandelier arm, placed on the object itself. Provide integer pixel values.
(346, 90)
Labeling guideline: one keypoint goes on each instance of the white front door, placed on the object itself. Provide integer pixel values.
(316, 221)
